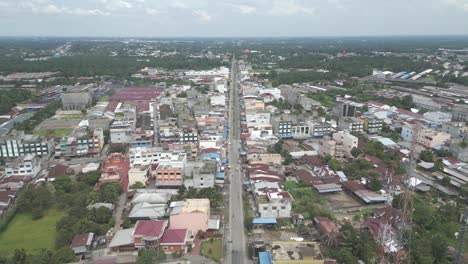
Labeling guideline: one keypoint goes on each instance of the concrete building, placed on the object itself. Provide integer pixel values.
(282, 128)
(438, 118)
(455, 129)
(138, 173)
(168, 176)
(275, 204)
(347, 140)
(351, 124)
(320, 129)
(301, 131)
(191, 214)
(76, 100)
(258, 118)
(28, 165)
(460, 112)
(18, 144)
(346, 108)
(373, 125)
(431, 138)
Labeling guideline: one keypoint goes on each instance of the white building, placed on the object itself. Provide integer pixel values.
(275, 205)
(438, 117)
(218, 100)
(347, 140)
(28, 165)
(258, 118)
(138, 173)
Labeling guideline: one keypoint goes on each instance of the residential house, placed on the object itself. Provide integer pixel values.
(191, 214)
(82, 243)
(138, 173)
(28, 165)
(275, 204)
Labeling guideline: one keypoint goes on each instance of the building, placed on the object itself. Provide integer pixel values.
(168, 176)
(455, 129)
(460, 112)
(72, 147)
(346, 108)
(176, 240)
(82, 243)
(438, 118)
(373, 125)
(147, 233)
(191, 214)
(138, 173)
(320, 129)
(121, 133)
(18, 144)
(351, 123)
(76, 100)
(258, 118)
(431, 138)
(300, 131)
(28, 165)
(282, 129)
(348, 141)
(275, 204)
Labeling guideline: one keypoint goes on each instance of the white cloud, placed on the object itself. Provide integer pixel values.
(202, 15)
(124, 4)
(178, 4)
(462, 4)
(152, 11)
(289, 7)
(245, 9)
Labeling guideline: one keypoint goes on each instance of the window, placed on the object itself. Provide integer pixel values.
(165, 248)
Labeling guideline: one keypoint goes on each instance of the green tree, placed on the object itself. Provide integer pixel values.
(137, 185)
(149, 256)
(355, 152)
(334, 164)
(426, 155)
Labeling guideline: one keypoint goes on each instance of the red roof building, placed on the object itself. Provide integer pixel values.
(175, 240)
(148, 233)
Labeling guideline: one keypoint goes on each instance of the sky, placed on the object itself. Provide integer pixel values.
(232, 18)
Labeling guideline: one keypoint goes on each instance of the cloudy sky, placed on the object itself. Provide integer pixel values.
(225, 18)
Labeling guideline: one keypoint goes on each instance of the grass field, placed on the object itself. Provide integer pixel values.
(213, 249)
(54, 132)
(31, 235)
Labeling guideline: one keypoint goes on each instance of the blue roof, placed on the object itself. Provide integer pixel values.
(210, 156)
(264, 258)
(264, 221)
(220, 175)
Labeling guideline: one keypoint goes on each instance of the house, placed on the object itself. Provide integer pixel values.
(138, 173)
(326, 226)
(168, 176)
(27, 165)
(275, 204)
(191, 214)
(82, 243)
(147, 233)
(431, 138)
(115, 169)
(176, 240)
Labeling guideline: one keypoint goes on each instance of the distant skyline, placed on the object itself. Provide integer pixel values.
(232, 18)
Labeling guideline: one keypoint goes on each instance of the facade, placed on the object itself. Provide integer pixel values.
(282, 129)
(275, 205)
(300, 131)
(347, 140)
(138, 173)
(431, 138)
(373, 125)
(351, 123)
(455, 129)
(72, 147)
(438, 117)
(168, 176)
(76, 100)
(27, 165)
(407, 133)
(320, 129)
(345, 108)
(189, 137)
(120, 133)
(191, 214)
(20, 144)
(460, 112)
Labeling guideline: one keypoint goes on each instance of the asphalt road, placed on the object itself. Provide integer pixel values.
(235, 246)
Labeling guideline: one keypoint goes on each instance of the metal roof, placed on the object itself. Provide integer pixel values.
(264, 221)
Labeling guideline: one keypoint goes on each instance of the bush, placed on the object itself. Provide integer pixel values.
(7, 217)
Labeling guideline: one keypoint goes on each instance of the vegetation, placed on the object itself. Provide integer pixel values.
(150, 256)
(39, 116)
(30, 234)
(306, 201)
(10, 97)
(213, 249)
(137, 185)
(214, 194)
(44, 256)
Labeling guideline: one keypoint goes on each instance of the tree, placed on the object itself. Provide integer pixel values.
(334, 164)
(426, 155)
(355, 152)
(137, 185)
(445, 181)
(64, 255)
(19, 257)
(375, 184)
(149, 256)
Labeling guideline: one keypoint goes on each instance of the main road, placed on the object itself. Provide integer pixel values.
(235, 242)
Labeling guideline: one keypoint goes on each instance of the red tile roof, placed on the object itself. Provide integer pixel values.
(150, 228)
(354, 186)
(174, 236)
(79, 240)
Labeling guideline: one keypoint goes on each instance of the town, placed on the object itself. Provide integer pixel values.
(240, 152)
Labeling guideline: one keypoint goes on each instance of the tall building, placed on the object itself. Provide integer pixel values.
(18, 144)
